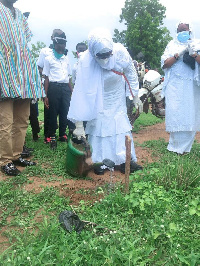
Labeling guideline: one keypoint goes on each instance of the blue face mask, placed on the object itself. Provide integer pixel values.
(57, 55)
(183, 36)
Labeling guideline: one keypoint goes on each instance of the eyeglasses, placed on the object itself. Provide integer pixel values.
(104, 55)
(60, 40)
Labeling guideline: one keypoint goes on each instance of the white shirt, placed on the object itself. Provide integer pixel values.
(57, 70)
(43, 53)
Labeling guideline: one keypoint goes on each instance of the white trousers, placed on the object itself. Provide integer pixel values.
(181, 141)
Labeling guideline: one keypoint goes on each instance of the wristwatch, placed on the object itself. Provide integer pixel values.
(176, 56)
(196, 54)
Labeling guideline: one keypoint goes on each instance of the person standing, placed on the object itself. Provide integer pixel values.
(80, 48)
(19, 82)
(58, 89)
(181, 64)
(99, 98)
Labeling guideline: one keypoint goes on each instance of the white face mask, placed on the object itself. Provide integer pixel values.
(102, 62)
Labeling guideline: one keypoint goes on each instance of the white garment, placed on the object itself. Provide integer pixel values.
(107, 132)
(58, 70)
(182, 94)
(181, 142)
(74, 70)
(99, 98)
(43, 53)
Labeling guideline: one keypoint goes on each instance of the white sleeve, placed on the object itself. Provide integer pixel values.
(132, 77)
(46, 69)
(40, 61)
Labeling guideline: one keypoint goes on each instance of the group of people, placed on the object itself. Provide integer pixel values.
(98, 96)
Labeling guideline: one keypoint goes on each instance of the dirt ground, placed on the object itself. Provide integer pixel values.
(84, 189)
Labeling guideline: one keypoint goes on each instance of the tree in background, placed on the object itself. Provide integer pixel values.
(145, 33)
(36, 48)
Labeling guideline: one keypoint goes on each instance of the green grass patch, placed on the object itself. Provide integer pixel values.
(157, 223)
(146, 120)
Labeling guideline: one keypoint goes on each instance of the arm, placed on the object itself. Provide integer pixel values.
(46, 86)
(70, 84)
(132, 77)
(196, 57)
(172, 54)
(170, 61)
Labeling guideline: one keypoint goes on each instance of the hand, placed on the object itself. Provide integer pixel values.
(192, 50)
(181, 52)
(46, 102)
(138, 104)
(79, 131)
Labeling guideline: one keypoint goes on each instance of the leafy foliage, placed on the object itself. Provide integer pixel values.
(36, 48)
(145, 33)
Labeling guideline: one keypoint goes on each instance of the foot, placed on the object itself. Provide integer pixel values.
(63, 138)
(25, 154)
(27, 149)
(53, 143)
(47, 140)
(35, 137)
(98, 170)
(133, 167)
(22, 162)
(10, 169)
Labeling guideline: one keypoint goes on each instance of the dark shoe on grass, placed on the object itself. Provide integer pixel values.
(10, 169)
(63, 138)
(53, 143)
(27, 149)
(22, 162)
(98, 170)
(133, 167)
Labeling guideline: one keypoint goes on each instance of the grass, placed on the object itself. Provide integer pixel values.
(157, 223)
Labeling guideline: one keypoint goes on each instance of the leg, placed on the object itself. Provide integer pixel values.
(6, 147)
(34, 120)
(54, 102)
(6, 121)
(21, 112)
(63, 110)
(46, 122)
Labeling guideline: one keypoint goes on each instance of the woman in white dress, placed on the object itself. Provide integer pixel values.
(182, 89)
(99, 97)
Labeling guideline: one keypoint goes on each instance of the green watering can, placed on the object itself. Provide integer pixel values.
(78, 151)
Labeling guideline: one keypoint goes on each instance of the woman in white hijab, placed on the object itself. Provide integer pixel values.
(99, 98)
(182, 89)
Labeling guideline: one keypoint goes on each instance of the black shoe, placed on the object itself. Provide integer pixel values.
(27, 149)
(133, 167)
(21, 162)
(10, 169)
(35, 137)
(53, 143)
(25, 154)
(63, 138)
(98, 170)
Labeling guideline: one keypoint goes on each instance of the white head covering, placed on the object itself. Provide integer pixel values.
(100, 41)
(88, 90)
(87, 97)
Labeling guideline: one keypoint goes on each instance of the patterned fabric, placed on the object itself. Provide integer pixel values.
(19, 76)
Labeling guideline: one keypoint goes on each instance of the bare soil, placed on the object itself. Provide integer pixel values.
(84, 189)
(72, 187)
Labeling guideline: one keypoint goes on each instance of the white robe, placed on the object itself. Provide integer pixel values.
(107, 132)
(182, 98)
(99, 98)
(182, 94)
